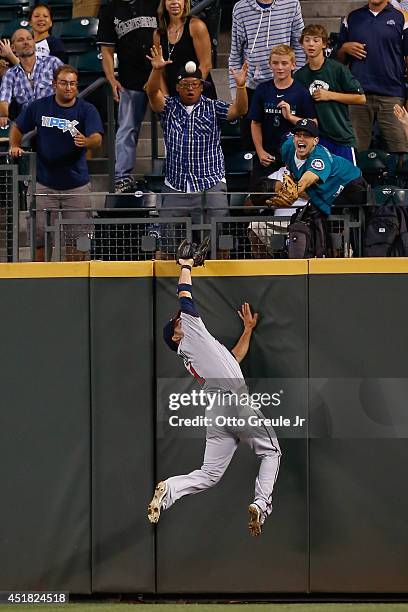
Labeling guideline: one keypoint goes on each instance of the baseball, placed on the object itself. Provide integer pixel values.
(190, 67)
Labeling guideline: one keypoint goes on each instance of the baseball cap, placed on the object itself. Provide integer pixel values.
(306, 125)
(183, 74)
(168, 332)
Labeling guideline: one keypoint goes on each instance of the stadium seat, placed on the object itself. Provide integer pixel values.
(4, 137)
(61, 10)
(390, 194)
(79, 34)
(155, 178)
(7, 29)
(89, 66)
(238, 168)
(377, 166)
(230, 137)
(11, 9)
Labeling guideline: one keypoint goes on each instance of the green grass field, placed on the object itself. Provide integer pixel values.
(207, 607)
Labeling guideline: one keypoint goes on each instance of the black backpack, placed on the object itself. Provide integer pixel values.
(307, 234)
(386, 232)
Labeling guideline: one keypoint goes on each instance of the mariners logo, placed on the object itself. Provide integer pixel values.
(317, 164)
(316, 85)
(60, 124)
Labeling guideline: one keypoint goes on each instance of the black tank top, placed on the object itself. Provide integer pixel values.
(181, 52)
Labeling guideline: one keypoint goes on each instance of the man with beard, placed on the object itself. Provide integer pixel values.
(29, 80)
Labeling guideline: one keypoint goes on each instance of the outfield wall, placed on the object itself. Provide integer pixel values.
(83, 374)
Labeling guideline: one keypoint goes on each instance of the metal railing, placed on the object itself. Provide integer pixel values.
(15, 182)
(154, 232)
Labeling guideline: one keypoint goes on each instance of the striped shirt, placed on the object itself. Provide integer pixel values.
(256, 30)
(17, 84)
(194, 159)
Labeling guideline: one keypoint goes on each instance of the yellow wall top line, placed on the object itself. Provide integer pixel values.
(255, 267)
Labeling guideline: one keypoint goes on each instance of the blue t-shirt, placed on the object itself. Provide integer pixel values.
(386, 38)
(264, 110)
(334, 173)
(60, 163)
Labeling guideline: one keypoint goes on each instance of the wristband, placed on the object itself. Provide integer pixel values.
(187, 266)
(241, 87)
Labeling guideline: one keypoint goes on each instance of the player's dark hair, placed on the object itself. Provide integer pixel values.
(315, 29)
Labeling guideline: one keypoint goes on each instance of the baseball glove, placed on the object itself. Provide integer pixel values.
(188, 250)
(288, 193)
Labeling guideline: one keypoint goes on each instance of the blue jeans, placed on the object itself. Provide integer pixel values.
(132, 109)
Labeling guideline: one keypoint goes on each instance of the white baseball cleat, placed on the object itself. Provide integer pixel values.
(155, 506)
(255, 520)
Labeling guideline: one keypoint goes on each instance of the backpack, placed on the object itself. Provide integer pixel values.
(307, 234)
(386, 232)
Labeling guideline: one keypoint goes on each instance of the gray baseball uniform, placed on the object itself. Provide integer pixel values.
(217, 370)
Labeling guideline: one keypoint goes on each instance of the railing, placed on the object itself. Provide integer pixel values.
(15, 182)
(154, 231)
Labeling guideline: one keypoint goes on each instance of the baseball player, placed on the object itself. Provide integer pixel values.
(217, 370)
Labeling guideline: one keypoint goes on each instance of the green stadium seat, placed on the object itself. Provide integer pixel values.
(390, 194)
(377, 166)
(7, 29)
(4, 137)
(61, 10)
(155, 178)
(238, 168)
(11, 9)
(78, 35)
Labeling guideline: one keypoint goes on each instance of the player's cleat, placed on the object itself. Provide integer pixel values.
(155, 506)
(255, 520)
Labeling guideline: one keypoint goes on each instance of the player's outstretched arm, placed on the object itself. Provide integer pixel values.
(185, 276)
(249, 320)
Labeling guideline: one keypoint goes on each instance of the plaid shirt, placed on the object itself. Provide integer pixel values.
(15, 83)
(193, 143)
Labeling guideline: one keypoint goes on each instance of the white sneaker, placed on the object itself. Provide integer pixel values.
(155, 506)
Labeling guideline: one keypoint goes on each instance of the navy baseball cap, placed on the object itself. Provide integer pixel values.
(306, 125)
(168, 333)
(183, 74)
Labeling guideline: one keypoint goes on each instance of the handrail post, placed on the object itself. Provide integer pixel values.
(111, 139)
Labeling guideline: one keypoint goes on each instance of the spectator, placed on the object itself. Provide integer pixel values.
(85, 8)
(256, 28)
(333, 87)
(374, 42)
(183, 39)
(276, 106)
(127, 28)
(29, 80)
(192, 134)
(66, 126)
(40, 19)
(327, 179)
(401, 5)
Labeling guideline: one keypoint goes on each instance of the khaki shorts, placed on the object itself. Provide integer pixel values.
(76, 198)
(381, 108)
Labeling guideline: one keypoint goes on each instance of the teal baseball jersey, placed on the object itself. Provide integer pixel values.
(334, 173)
